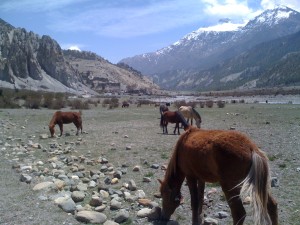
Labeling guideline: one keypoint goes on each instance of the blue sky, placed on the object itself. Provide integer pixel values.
(115, 29)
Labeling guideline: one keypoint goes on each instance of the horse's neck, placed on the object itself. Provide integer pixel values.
(175, 178)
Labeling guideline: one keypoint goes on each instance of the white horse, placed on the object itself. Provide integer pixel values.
(190, 113)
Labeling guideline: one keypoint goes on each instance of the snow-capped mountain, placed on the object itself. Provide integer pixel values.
(206, 48)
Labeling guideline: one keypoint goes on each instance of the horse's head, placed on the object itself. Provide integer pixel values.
(51, 129)
(198, 123)
(171, 199)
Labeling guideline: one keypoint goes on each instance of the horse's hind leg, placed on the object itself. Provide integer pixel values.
(272, 210)
(235, 203)
(176, 127)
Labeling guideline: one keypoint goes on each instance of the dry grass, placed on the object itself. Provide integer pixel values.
(275, 128)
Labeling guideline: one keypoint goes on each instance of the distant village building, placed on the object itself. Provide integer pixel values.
(99, 83)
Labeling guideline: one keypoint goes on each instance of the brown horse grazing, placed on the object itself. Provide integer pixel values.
(60, 118)
(172, 117)
(227, 157)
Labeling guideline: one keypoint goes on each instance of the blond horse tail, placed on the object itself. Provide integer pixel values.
(257, 185)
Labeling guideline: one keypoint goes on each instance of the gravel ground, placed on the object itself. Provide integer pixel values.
(274, 127)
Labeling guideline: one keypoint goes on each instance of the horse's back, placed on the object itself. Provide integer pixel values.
(68, 117)
(185, 110)
(213, 155)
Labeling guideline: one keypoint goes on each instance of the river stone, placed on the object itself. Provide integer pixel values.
(122, 216)
(25, 178)
(140, 194)
(95, 201)
(66, 204)
(210, 221)
(91, 217)
(82, 187)
(78, 196)
(110, 222)
(104, 194)
(114, 204)
(131, 185)
(143, 212)
(222, 214)
(100, 208)
(43, 185)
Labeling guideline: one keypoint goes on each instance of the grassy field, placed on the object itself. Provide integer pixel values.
(275, 128)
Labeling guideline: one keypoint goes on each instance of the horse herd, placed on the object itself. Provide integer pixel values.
(226, 157)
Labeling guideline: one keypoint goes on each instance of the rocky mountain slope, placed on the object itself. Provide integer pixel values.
(101, 75)
(192, 60)
(38, 63)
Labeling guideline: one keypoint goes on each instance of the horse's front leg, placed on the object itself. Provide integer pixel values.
(201, 187)
(176, 127)
(61, 128)
(166, 128)
(197, 195)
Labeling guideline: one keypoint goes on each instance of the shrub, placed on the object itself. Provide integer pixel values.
(221, 104)
(33, 102)
(180, 103)
(78, 104)
(8, 103)
(202, 104)
(209, 104)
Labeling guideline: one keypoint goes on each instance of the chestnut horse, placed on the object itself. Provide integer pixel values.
(190, 113)
(172, 117)
(60, 118)
(227, 157)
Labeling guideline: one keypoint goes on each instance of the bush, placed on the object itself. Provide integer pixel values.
(33, 102)
(221, 104)
(180, 103)
(8, 103)
(209, 104)
(202, 104)
(78, 104)
(112, 103)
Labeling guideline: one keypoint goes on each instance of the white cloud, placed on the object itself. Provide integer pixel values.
(269, 4)
(74, 48)
(127, 18)
(223, 27)
(232, 9)
(77, 47)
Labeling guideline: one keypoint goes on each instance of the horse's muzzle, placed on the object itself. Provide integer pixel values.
(163, 216)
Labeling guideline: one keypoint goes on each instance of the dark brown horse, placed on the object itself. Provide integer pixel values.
(227, 157)
(172, 117)
(125, 105)
(163, 108)
(60, 118)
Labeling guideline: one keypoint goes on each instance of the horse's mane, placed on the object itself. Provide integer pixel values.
(182, 119)
(54, 118)
(171, 171)
(196, 113)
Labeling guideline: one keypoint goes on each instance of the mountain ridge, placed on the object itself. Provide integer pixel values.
(201, 50)
(35, 62)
